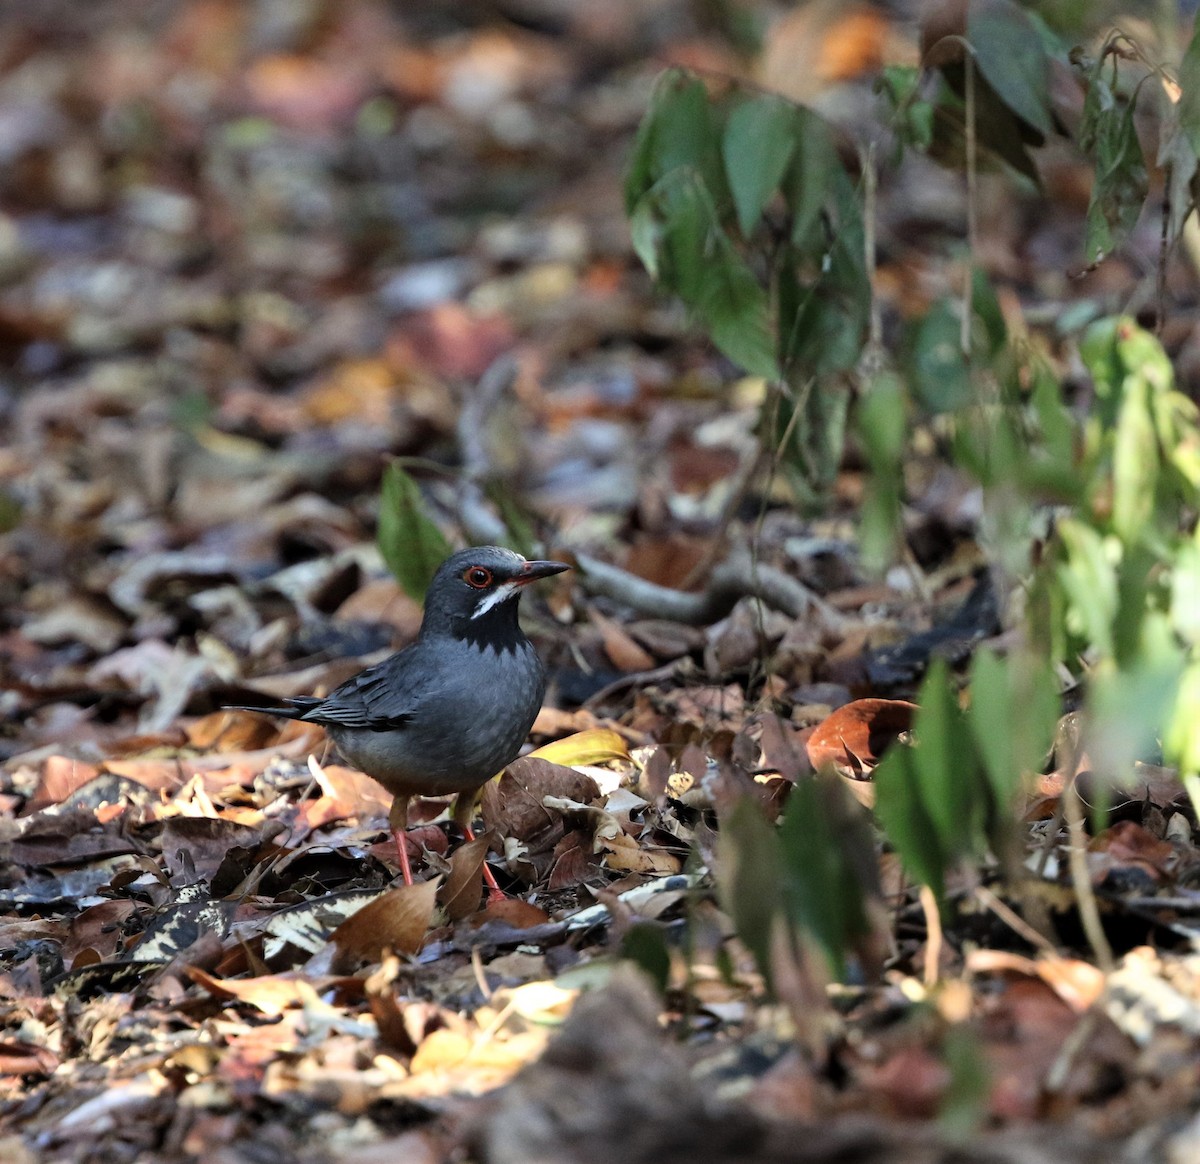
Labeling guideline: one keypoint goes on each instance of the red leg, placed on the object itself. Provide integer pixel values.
(461, 814)
(495, 893)
(398, 819)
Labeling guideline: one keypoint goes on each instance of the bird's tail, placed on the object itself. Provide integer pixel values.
(296, 708)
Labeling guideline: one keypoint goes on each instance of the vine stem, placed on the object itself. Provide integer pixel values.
(972, 201)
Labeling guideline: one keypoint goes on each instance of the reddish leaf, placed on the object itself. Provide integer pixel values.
(854, 737)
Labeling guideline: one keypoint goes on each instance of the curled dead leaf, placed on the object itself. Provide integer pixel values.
(396, 920)
(624, 855)
(270, 993)
(459, 896)
(604, 825)
(854, 737)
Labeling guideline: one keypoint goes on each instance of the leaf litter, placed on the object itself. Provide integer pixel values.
(217, 347)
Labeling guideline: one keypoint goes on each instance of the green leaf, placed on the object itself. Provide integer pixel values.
(906, 821)
(810, 179)
(1185, 585)
(411, 545)
(757, 146)
(829, 863)
(1108, 135)
(989, 332)
(882, 428)
(750, 877)
(691, 234)
(1088, 579)
(735, 307)
(1128, 711)
(1004, 693)
(645, 944)
(676, 226)
(946, 763)
(1188, 109)
(1135, 463)
(914, 117)
(1181, 744)
(680, 131)
(963, 1109)
(646, 234)
(1012, 58)
(941, 377)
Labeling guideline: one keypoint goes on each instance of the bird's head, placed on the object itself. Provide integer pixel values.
(475, 593)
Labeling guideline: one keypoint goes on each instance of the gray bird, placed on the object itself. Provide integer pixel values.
(452, 709)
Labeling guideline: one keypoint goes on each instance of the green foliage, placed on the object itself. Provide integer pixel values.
(1108, 135)
(920, 790)
(411, 545)
(1006, 694)
(912, 116)
(1179, 149)
(1010, 54)
(883, 429)
(645, 944)
(809, 877)
(1119, 583)
(950, 796)
(739, 204)
(964, 1107)
(757, 146)
(749, 884)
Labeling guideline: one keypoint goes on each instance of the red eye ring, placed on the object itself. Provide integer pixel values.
(477, 577)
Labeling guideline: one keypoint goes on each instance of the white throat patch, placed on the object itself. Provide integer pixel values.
(501, 594)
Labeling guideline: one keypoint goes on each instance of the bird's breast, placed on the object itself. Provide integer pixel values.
(469, 721)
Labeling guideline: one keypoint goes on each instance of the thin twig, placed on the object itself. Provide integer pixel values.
(475, 512)
(933, 935)
(870, 251)
(972, 200)
(719, 541)
(1056, 1077)
(1013, 920)
(1085, 897)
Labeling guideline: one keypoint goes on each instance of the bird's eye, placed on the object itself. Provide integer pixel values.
(477, 577)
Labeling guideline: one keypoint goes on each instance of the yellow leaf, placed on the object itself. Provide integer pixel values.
(594, 746)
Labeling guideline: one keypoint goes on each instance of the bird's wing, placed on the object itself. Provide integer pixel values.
(381, 698)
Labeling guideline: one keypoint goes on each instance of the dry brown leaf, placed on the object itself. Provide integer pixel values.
(197, 845)
(449, 341)
(272, 993)
(515, 912)
(1078, 984)
(397, 920)
(303, 92)
(26, 1059)
(783, 747)
(622, 651)
(460, 894)
(97, 928)
(345, 792)
(1127, 844)
(514, 804)
(624, 855)
(59, 777)
(379, 988)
